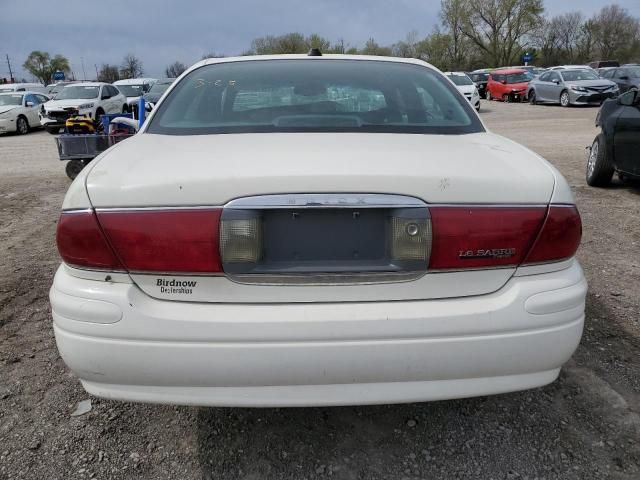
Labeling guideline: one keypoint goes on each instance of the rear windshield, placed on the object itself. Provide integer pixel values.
(316, 95)
(606, 63)
(519, 77)
(634, 72)
(479, 77)
(160, 87)
(131, 90)
(576, 75)
(460, 80)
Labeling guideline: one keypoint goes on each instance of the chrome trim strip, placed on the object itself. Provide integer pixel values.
(158, 208)
(95, 269)
(325, 200)
(328, 279)
(233, 204)
(489, 205)
(78, 210)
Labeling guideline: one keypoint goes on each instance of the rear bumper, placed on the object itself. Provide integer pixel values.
(125, 345)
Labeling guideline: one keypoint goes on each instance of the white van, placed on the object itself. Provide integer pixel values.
(23, 87)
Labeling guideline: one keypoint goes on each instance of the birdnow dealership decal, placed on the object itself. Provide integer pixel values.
(175, 286)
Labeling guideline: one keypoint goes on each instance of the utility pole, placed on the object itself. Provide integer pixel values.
(10, 71)
(97, 74)
(84, 74)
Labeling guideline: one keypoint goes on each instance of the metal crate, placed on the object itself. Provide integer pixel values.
(85, 147)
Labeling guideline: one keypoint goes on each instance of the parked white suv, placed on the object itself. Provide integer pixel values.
(316, 230)
(90, 99)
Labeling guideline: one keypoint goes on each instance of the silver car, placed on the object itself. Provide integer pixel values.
(571, 87)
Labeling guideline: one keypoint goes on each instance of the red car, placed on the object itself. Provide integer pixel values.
(508, 85)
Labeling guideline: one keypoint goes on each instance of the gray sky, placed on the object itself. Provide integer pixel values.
(162, 31)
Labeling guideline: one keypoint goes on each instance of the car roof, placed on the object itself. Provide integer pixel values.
(509, 70)
(133, 81)
(588, 69)
(85, 84)
(63, 82)
(332, 56)
(21, 83)
(455, 73)
(572, 67)
(23, 92)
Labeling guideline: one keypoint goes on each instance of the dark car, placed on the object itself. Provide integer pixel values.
(616, 147)
(480, 78)
(604, 64)
(158, 88)
(627, 77)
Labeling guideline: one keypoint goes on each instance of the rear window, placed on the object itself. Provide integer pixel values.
(131, 90)
(634, 72)
(479, 77)
(460, 80)
(313, 95)
(519, 77)
(160, 87)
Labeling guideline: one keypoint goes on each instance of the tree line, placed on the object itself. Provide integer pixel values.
(493, 33)
(470, 34)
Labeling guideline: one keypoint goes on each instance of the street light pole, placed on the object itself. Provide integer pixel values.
(10, 71)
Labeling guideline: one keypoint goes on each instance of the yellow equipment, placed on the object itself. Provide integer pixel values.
(80, 125)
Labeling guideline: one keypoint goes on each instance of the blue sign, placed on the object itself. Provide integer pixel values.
(58, 75)
(527, 57)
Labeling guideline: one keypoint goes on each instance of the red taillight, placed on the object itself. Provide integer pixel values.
(560, 236)
(485, 237)
(187, 240)
(82, 244)
(180, 241)
(480, 237)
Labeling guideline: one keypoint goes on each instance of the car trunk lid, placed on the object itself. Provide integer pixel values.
(335, 251)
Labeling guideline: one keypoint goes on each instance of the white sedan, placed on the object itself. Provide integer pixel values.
(19, 111)
(316, 230)
(466, 87)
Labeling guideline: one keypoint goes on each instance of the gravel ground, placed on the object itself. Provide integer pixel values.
(586, 425)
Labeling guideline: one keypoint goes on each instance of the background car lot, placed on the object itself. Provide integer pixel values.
(586, 425)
